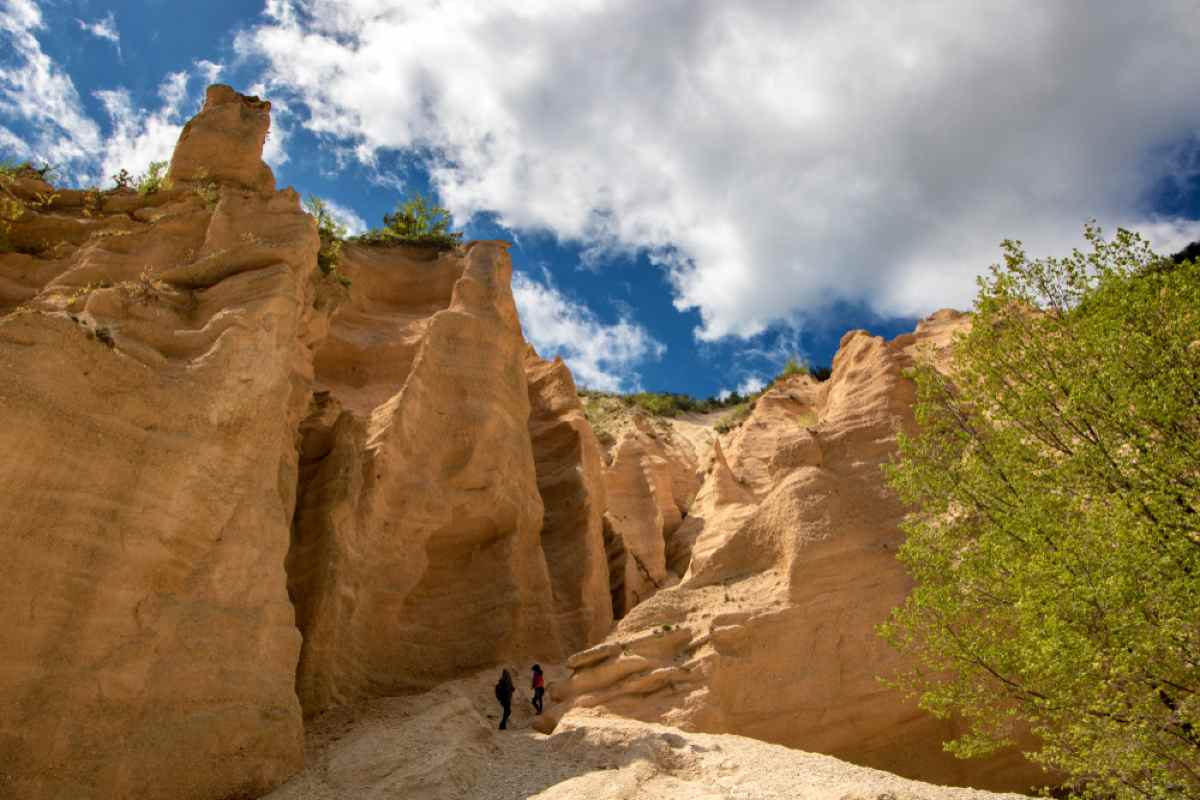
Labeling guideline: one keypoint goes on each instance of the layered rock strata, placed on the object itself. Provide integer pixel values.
(771, 632)
(155, 369)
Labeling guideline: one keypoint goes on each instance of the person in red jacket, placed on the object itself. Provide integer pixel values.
(539, 688)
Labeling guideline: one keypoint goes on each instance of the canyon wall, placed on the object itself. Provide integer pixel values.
(238, 492)
(652, 475)
(790, 566)
(418, 544)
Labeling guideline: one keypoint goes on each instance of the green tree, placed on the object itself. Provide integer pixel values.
(416, 220)
(1055, 543)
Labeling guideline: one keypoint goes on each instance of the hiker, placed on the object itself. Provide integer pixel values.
(539, 687)
(504, 693)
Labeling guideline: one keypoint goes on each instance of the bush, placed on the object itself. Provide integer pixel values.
(798, 366)
(154, 180)
(1055, 541)
(123, 180)
(12, 208)
(792, 367)
(332, 234)
(417, 220)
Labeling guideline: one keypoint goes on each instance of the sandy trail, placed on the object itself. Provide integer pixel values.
(443, 745)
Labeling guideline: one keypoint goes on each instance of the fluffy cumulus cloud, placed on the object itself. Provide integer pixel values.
(774, 157)
(42, 117)
(34, 90)
(601, 356)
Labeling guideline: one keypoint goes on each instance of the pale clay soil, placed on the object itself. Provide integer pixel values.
(443, 745)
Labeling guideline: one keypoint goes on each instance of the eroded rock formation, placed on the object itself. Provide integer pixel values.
(245, 491)
(155, 372)
(418, 538)
(771, 632)
(570, 475)
(652, 476)
(238, 493)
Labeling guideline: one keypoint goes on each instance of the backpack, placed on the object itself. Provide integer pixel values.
(501, 695)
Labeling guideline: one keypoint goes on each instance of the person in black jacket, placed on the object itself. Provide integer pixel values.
(504, 693)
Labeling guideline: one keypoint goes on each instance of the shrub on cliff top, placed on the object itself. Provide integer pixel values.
(1055, 541)
(417, 220)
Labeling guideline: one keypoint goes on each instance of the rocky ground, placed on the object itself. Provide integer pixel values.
(444, 744)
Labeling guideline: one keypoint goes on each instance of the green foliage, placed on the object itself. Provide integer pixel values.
(660, 405)
(665, 404)
(155, 179)
(332, 234)
(1056, 538)
(417, 220)
(799, 366)
(11, 207)
(793, 367)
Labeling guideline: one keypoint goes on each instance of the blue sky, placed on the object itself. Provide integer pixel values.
(696, 190)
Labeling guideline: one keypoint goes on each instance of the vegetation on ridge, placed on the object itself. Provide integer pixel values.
(416, 220)
(154, 180)
(1056, 538)
(667, 404)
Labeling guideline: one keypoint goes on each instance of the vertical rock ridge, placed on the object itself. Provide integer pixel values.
(153, 385)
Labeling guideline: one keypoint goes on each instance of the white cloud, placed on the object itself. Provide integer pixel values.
(774, 157)
(601, 356)
(139, 137)
(346, 216)
(104, 29)
(39, 100)
(35, 90)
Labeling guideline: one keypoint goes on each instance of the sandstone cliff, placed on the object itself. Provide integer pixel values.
(570, 475)
(417, 549)
(651, 474)
(155, 372)
(244, 491)
(792, 564)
